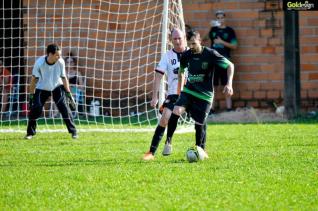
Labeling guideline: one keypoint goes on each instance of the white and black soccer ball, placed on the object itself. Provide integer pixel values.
(192, 154)
(195, 153)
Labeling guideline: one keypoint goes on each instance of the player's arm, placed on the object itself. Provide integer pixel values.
(229, 66)
(33, 82)
(66, 84)
(181, 79)
(155, 88)
(64, 77)
(32, 86)
(228, 89)
(181, 75)
(71, 101)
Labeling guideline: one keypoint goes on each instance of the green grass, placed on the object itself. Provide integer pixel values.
(251, 167)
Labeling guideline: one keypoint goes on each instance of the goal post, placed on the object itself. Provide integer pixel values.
(111, 48)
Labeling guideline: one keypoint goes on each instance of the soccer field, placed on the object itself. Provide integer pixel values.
(251, 166)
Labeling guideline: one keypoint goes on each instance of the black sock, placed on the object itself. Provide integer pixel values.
(204, 137)
(169, 138)
(199, 134)
(172, 125)
(156, 138)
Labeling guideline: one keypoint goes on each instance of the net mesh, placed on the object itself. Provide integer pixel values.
(110, 48)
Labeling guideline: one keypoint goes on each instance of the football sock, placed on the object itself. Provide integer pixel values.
(156, 138)
(204, 136)
(172, 125)
(168, 140)
(199, 134)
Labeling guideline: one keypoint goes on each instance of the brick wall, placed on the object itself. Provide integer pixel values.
(103, 38)
(259, 61)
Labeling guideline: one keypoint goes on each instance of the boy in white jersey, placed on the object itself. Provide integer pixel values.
(49, 78)
(169, 65)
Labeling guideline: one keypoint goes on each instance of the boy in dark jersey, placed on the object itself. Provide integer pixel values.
(197, 94)
(223, 40)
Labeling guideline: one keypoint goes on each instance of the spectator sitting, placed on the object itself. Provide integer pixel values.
(5, 86)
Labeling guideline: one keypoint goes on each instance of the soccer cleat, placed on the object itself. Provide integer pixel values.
(28, 137)
(167, 149)
(74, 136)
(148, 156)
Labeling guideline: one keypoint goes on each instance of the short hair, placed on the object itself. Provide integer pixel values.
(175, 29)
(191, 34)
(220, 12)
(52, 48)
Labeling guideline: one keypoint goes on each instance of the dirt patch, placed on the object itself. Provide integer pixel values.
(246, 115)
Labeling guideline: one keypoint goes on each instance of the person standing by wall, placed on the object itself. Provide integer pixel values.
(223, 40)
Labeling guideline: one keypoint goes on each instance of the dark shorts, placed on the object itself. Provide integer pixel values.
(220, 76)
(197, 108)
(169, 102)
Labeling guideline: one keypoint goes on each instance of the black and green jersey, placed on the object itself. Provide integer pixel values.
(227, 34)
(200, 70)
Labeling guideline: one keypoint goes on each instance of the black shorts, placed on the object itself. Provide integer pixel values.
(220, 75)
(170, 101)
(197, 108)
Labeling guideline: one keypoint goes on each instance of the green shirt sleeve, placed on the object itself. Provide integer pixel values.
(220, 60)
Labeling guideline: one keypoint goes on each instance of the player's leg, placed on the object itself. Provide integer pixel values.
(199, 112)
(159, 132)
(179, 108)
(60, 101)
(167, 150)
(204, 136)
(40, 97)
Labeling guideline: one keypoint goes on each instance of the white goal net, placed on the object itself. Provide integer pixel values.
(110, 48)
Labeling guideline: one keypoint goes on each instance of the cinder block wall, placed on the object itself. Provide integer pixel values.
(259, 60)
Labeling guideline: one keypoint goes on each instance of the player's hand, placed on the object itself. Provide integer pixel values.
(71, 101)
(228, 90)
(31, 100)
(154, 102)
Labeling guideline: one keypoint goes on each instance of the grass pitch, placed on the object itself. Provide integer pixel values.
(251, 167)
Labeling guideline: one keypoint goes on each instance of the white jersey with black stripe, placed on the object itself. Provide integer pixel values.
(49, 75)
(169, 65)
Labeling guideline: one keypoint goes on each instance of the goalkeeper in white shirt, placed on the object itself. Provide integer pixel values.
(169, 65)
(49, 78)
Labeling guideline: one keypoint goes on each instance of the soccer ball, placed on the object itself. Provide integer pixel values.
(194, 154)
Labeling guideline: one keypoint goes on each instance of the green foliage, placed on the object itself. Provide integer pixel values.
(254, 167)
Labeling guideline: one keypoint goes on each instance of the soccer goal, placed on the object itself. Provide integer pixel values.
(114, 46)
